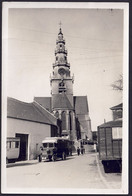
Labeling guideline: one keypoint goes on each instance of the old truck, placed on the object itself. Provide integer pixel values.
(110, 145)
(55, 147)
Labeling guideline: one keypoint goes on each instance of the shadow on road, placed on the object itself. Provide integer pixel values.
(21, 164)
(25, 163)
(59, 159)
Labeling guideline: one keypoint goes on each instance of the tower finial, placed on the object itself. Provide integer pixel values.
(60, 24)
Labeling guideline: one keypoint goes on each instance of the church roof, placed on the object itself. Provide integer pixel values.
(61, 101)
(114, 123)
(81, 104)
(117, 107)
(44, 102)
(28, 111)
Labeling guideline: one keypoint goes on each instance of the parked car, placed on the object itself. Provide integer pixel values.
(54, 148)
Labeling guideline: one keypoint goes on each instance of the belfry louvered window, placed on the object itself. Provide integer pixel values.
(62, 87)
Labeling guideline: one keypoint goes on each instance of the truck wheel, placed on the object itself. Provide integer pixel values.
(50, 159)
(54, 158)
(63, 156)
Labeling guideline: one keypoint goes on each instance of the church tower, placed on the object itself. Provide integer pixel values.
(62, 89)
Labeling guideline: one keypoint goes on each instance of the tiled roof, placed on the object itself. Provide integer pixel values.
(115, 123)
(46, 113)
(44, 101)
(81, 104)
(61, 101)
(117, 107)
(28, 111)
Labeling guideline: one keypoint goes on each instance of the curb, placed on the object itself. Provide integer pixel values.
(100, 173)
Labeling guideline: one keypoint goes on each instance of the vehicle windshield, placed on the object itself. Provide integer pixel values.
(45, 145)
(51, 144)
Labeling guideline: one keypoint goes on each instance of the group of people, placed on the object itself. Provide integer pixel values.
(82, 150)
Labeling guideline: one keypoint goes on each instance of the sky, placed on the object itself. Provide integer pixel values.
(94, 40)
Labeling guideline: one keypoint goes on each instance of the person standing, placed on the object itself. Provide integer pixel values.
(95, 149)
(78, 151)
(82, 150)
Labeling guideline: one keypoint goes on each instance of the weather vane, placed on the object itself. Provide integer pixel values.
(60, 24)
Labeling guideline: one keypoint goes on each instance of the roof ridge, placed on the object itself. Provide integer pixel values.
(45, 111)
(42, 114)
(43, 97)
(61, 101)
(68, 101)
(11, 98)
(116, 106)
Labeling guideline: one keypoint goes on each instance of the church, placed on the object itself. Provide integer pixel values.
(62, 114)
(72, 110)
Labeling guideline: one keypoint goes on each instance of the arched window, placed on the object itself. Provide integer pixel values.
(57, 114)
(63, 118)
(70, 121)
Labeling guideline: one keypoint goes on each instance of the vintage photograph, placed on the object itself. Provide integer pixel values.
(65, 98)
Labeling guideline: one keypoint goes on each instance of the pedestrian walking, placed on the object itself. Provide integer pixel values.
(78, 151)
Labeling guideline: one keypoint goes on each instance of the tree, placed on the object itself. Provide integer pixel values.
(118, 84)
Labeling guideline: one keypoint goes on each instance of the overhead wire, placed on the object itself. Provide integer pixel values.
(45, 43)
(73, 36)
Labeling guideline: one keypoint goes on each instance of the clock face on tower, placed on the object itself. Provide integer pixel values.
(61, 71)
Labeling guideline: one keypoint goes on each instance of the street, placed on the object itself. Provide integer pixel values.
(84, 171)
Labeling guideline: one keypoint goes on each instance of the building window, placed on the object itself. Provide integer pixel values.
(63, 118)
(61, 84)
(117, 132)
(62, 87)
(57, 114)
(17, 144)
(8, 145)
(117, 114)
(13, 144)
(70, 122)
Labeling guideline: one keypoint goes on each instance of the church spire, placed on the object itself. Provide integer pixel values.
(61, 80)
(60, 24)
(60, 51)
(60, 27)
